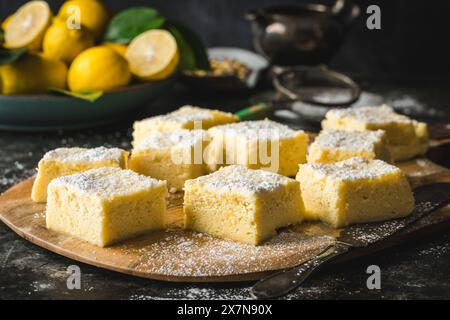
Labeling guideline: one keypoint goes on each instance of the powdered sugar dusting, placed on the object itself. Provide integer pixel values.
(174, 139)
(241, 179)
(349, 140)
(352, 169)
(180, 118)
(106, 182)
(83, 154)
(184, 253)
(185, 114)
(192, 292)
(371, 115)
(261, 130)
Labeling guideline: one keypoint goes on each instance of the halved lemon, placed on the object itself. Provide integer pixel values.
(6, 22)
(153, 55)
(27, 27)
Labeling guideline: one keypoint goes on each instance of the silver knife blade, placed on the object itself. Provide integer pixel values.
(428, 198)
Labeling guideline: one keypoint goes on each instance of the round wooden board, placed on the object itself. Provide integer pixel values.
(184, 256)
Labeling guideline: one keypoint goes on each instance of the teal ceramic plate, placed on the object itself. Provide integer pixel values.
(47, 112)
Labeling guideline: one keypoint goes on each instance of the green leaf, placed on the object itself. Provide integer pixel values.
(193, 53)
(129, 23)
(9, 56)
(87, 95)
(187, 56)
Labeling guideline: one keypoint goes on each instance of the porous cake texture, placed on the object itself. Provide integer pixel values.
(407, 138)
(65, 161)
(174, 156)
(353, 191)
(261, 144)
(242, 204)
(106, 205)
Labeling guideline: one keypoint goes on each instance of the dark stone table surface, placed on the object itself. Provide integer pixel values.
(413, 271)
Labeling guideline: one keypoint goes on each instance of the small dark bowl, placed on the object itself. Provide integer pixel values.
(229, 83)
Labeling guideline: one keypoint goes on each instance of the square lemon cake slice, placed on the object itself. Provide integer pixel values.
(333, 145)
(65, 161)
(174, 156)
(185, 117)
(106, 205)
(242, 204)
(263, 144)
(352, 191)
(407, 138)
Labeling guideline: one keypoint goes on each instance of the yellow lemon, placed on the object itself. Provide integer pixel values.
(65, 44)
(153, 55)
(98, 68)
(32, 73)
(117, 47)
(27, 26)
(91, 13)
(6, 22)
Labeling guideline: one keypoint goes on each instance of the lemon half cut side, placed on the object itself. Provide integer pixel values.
(153, 55)
(27, 27)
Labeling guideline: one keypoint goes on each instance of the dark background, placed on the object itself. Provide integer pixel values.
(412, 42)
(412, 45)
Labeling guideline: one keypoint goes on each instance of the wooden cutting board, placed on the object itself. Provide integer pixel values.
(184, 256)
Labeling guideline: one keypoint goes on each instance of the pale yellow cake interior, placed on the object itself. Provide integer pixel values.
(242, 204)
(353, 191)
(174, 156)
(106, 205)
(261, 144)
